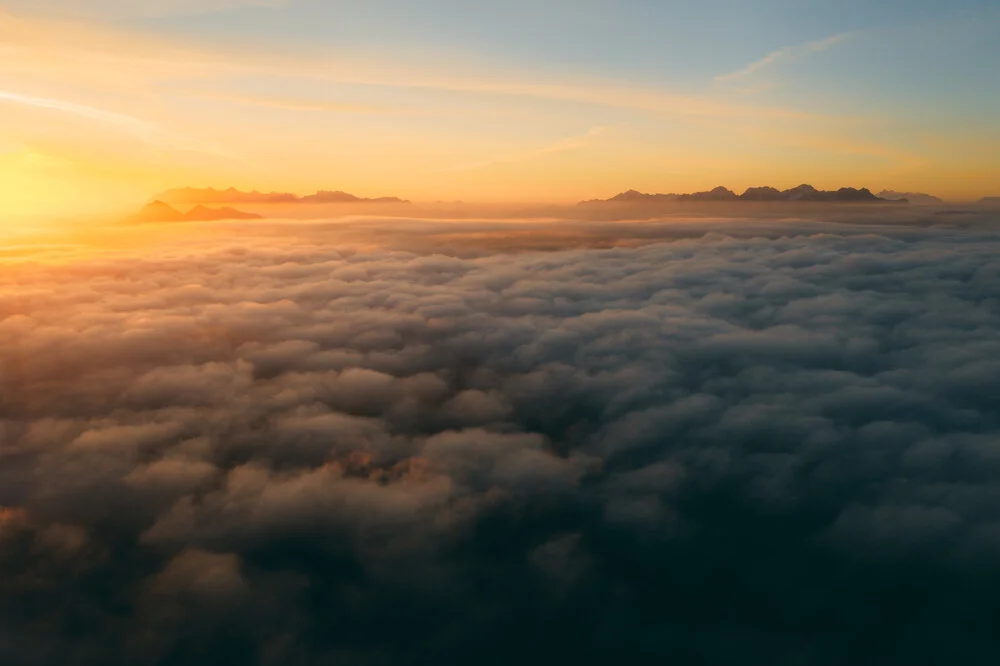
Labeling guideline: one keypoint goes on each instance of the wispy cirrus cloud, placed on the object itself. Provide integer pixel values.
(786, 54)
(126, 61)
(130, 124)
(147, 132)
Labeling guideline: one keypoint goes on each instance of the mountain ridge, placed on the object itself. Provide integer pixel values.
(160, 211)
(800, 193)
(210, 195)
(919, 198)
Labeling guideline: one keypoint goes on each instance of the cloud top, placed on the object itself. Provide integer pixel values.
(767, 443)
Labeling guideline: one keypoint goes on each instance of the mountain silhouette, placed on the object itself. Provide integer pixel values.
(718, 194)
(325, 196)
(190, 195)
(762, 194)
(851, 194)
(633, 196)
(158, 211)
(918, 198)
(801, 193)
(205, 214)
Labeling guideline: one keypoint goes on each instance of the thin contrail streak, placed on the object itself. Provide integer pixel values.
(148, 132)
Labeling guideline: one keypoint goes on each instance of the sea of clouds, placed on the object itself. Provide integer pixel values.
(378, 443)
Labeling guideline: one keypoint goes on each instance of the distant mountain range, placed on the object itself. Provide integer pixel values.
(633, 196)
(993, 201)
(190, 195)
(806, 193)
(159, 211)
(918, 198)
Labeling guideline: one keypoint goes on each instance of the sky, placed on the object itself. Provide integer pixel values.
(105, 102)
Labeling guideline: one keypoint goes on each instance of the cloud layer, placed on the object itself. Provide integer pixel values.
(741, 447)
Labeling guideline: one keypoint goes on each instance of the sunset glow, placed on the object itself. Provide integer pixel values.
(103, 103)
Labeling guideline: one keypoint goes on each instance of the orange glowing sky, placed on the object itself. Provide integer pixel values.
(103, 103)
